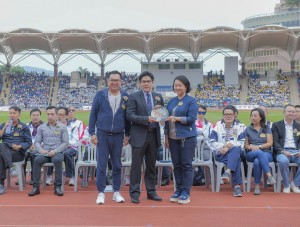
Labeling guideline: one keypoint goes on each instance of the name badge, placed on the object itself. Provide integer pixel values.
(298, 133)
(262, 135)
(16, 134)
(57, 132)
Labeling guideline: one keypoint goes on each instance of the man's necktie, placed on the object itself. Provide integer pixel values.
(149, 106)
(149, 103)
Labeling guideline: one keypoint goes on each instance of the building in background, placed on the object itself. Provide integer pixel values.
(270, 60)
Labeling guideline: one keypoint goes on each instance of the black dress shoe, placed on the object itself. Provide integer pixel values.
(154, 197)
(58, 191)
(135, 200)
(35, 191)
(165, 182)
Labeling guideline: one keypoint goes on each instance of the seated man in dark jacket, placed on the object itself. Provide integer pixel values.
(16, 139)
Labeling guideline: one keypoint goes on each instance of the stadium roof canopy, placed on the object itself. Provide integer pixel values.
(194, 42)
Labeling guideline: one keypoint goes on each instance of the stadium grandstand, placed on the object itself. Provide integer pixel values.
(273, 84)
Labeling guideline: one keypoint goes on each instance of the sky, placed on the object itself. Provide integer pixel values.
(104, 15)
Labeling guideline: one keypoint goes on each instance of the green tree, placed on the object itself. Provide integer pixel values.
(17, 69)
(14, 69)
(292, 3)
(2, 68)
(82, 70)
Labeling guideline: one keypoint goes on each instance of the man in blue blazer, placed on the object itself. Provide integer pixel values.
(16, 140)
(286, 137)
(144, 136)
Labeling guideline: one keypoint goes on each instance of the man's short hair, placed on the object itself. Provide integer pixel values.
(63, 108)
(146, 73)
(113, 72)
(287, 105)
(15, 108)
(35, 110)
(51, 107)
(229, 107)
(297, 106)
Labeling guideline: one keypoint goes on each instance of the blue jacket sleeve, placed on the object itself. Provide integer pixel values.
(93, 114)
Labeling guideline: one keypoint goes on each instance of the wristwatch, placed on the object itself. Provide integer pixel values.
(259, 147)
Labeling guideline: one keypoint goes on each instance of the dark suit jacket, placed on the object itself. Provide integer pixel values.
(278, 131)
(137, 113)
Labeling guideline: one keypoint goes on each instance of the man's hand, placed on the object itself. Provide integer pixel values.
(151, 119)
(43, 152)
(16, 147)
(224, 150)
(32, 148)
(286, 153)
(229, 145)
(94, 140)
(297, 154)
(51, 153)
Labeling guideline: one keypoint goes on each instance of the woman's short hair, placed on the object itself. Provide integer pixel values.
(185, 81)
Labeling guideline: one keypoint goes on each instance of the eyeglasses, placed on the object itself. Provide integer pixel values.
(71, 110)
(228, 114)
(114, 81)
(202, 112)
(146, 81)
(61, 114)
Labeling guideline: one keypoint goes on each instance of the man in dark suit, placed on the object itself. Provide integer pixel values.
(144, 136)
(286, 137)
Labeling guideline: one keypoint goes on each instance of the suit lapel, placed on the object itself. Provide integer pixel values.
(143, 100)
(295, 134)
(283, 128)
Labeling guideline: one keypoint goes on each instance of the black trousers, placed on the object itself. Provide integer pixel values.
(149, 151)
(40, 160)
(7, 157)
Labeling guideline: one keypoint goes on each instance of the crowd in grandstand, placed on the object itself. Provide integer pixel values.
(33, 90)
(29, 90)
(274, 94)
(217, 93)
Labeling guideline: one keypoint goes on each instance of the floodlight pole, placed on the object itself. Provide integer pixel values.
(55, 71)
(102, 66)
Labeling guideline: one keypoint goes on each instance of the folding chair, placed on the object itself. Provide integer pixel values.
(250, 169)
(86, 157)
(21, 175)
(126, 162)
(165, 162)
(293, 167)
(45, 170)
(207, 164)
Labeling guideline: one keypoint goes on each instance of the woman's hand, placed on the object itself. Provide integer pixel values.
(166, 142)
(173, 119)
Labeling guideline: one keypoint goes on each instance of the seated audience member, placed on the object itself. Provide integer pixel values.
(16, 139)
(258, 143)
(51, 140)
(35, 116)
(286, 144)
(71, 152)
(75, 122)
(203, 127)
(297, 114)
(227, 139)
